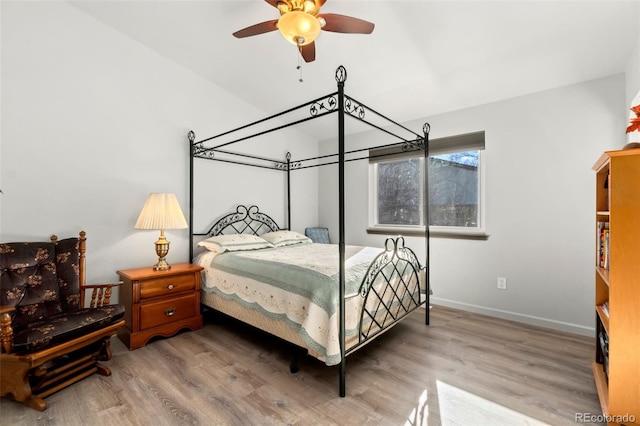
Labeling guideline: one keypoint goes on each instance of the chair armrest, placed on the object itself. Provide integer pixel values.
(111, 285)
(6, 331)
(6, 309)
(100, 293)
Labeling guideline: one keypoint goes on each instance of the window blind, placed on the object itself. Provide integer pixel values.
(458, 143)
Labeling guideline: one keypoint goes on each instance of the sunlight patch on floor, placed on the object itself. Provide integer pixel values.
(419, 414)
(457, 407)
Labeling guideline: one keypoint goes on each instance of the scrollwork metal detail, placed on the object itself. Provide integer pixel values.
(341, 74)
(240, 214)
(243, 221)
(202, 152)
(291, 165)
(415, 145)
(390, 288)
(329, 103)
(354, 108)
(280, 166)
(262, 218)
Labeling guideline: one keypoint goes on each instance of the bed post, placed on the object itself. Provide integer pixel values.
(425, 129)
(192, 137)
(341, 77)
(289, 191)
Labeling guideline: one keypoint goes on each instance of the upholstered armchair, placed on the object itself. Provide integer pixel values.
(49, 339)
(318, 234)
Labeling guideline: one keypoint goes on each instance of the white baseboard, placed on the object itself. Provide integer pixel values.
(514, 316)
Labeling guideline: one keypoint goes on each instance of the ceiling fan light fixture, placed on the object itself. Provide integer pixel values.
(299, 28)
(283, 7)
(300, 23)
(309, 6)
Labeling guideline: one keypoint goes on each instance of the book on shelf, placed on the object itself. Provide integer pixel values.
(603, 244)
(605, 307)
(606, 187)
(606, 249)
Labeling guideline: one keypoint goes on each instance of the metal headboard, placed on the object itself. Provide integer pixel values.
(243, 221)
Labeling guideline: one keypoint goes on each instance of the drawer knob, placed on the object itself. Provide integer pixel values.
(169, 312)
(170, 287)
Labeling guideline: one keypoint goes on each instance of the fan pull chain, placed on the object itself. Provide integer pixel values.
(299, 68)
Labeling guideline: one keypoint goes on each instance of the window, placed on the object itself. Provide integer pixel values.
(400, 186)
(455, 187)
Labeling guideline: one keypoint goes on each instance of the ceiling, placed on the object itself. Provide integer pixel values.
(423, 58)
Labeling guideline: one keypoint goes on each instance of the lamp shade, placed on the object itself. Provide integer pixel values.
(300, 28)
(161, 211)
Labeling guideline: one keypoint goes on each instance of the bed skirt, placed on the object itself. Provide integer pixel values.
(253, 317)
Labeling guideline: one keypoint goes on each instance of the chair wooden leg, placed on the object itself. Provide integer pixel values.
(32, 402)
(105, 350)
(103, 370)
(15, 386)
(36, 403)
(105, 355)
(29, 379)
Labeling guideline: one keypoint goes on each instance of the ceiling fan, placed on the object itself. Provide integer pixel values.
(300, 23)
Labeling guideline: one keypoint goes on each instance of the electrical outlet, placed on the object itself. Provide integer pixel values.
(502, 283)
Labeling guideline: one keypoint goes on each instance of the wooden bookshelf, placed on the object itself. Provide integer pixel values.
(618, 285)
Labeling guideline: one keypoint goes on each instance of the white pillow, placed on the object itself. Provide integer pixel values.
(285, 238)
(234, 242)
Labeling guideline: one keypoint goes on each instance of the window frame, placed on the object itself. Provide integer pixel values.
(460, 143)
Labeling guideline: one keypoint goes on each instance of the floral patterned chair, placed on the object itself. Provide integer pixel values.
(49, 339)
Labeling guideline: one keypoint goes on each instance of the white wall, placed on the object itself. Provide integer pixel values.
(92, 122)
(539, 204)
(633, 71)
(633, 83)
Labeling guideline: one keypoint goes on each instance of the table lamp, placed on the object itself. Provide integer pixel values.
(161, 211)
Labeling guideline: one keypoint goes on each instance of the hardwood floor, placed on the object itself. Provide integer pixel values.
(463, 369)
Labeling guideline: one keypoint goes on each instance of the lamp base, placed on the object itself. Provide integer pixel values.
(162, 265)
(162, 249)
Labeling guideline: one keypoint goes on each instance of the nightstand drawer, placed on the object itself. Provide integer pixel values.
(166, 286)
(166, 311)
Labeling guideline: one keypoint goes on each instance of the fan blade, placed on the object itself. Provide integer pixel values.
(261, 28)
(308, 52)
(273, 3)
(346, 24)
(321, 3)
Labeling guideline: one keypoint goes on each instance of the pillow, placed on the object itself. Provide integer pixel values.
(234, 242)
(285, 238)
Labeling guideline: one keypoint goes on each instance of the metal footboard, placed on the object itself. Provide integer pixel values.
(391, 290)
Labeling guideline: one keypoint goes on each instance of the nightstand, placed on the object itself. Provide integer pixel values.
(159, 303)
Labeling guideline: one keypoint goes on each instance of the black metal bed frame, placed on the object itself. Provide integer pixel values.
(244, 221)
(344, 106)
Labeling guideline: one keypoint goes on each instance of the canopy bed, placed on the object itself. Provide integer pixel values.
(328, 299)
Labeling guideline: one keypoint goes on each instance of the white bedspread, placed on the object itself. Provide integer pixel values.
(297, 284)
